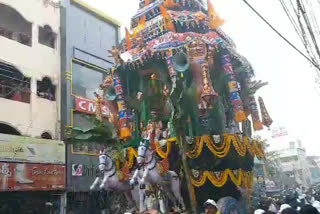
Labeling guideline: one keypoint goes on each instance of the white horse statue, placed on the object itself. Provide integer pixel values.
(147, 172)
(111, 182)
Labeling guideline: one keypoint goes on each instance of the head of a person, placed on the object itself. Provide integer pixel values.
(148, 190)
(210, 207)
(308, 209)
(316, 204)
(289, 211)
(259, 211)
(151, 212)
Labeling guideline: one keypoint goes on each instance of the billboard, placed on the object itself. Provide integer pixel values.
(31, 177)
(31, 150)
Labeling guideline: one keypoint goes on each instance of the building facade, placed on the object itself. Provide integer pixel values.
(294, 164)
(32, 157)
(314, 166)
(87, 35)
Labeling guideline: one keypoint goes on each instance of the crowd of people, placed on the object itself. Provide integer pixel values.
(292, 201)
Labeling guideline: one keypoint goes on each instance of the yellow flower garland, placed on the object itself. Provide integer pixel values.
(161, 153)
(221, 151)
(132, 153)
(243, 178)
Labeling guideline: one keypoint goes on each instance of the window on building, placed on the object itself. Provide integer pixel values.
(13, 84)
(86, 79)
(46, 89)
(14, 26)
(289, 159)
(6, 129)
(46, 135)
(47, 37)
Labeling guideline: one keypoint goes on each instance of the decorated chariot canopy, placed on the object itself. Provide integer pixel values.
(177, 77)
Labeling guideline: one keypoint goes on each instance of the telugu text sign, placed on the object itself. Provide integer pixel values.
(31, 150)
(31, 177)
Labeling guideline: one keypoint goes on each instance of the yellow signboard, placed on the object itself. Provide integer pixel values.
(31, 150)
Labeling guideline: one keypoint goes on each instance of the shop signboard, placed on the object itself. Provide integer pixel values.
(31, 150)
(89, 107)
(82, 168)
(31, 177)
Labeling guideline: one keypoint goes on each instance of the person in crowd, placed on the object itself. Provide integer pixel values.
(289, 211)
(151, 212)
(316, 204)
(151, 201)
(283, 207)
(210, 207)
(259, 211)
(272, 206)
(308, 209)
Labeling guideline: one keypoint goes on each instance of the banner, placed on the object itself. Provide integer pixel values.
(279, 132)
(31, 150)
(31, 177)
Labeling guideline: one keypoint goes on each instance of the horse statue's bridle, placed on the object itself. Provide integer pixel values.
(143, 144)
(112, 163)
(146, 144)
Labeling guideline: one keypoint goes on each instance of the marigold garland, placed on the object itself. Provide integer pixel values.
(221, 151)
(165, 154)
(242, 178)
(132, 153)
(242, 147)
(124, 173)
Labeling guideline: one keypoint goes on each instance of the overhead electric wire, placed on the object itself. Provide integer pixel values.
(302, 34)
(279, 34)
(313, 25)
(286, 10)
(300, 31)
(298, 23)
(306, 18)
(313, 17)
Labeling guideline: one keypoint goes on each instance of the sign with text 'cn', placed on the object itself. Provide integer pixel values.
(31, 150)
(30, 177)
(89, 107)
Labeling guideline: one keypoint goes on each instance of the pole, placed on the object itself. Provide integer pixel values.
(187, 173)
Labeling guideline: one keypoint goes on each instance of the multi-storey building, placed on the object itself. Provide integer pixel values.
(87, 35)
(314, 166)
(32, 168)
(293, 164)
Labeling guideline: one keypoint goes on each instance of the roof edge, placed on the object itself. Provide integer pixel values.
(97, 12)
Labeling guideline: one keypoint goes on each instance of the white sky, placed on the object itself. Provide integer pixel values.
(290, 97)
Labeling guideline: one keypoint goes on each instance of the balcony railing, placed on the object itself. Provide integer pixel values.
(20, 94)
(20, 37)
